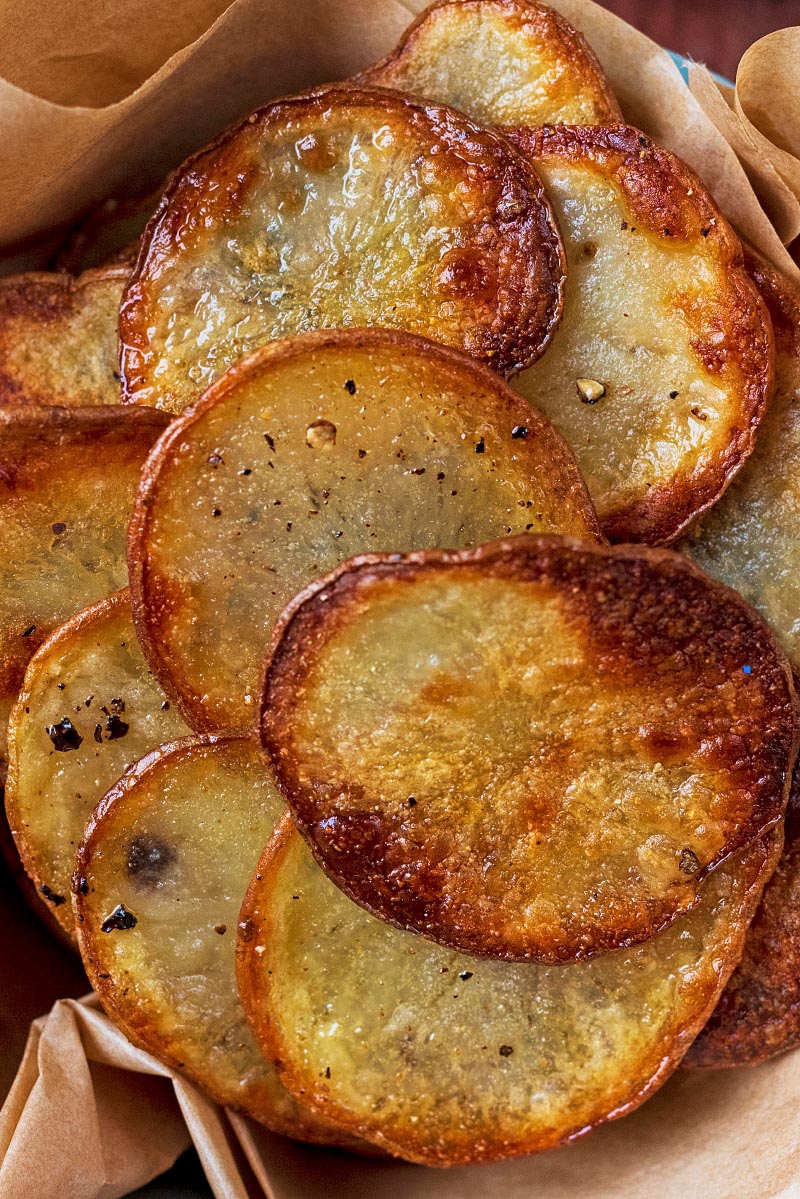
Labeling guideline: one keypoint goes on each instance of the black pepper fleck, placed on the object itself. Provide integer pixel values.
(350, 387)
(480, 448)
(216, 512)
(673, 395)
(51, 896)
(465, 975)
(270, 441)
(519, 431)
(120, 920)
(59, 527)
(64, 735)
(30, 629)
(506, 1050)
(215, 460)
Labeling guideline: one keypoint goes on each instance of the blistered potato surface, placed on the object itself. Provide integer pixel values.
(318, 449)
(165, 864)
(66, 495)
(532, 750)
(661, 367)
(344, 207)
(58, 338)
(89, 708)
(447, 1058)
(504, 62)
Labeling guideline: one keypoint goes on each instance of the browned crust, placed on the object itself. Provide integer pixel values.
(550, 27)
(670, 201)
(511, 333)
(61, 915)
(147, 600)
(31, 439)
(654, 607)
(41, 298)
(256, 996)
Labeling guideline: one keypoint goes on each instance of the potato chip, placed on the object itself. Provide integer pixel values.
(314, 449)
(505, 62)
(58, 338)
(345, 206)
(67, 483)
(160, 877)
(536, 749)
(750, 541)
(447, 1059)
(661, 368)
(89, 707)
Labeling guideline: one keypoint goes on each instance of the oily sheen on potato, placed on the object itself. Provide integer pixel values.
(58, 338)
(88, 708)
(66, 494)
(346, 206)
(310, 451)
(160, 878)
(661, 367)
(533, 750)
(749, 540)
(447, 1059)
(504, 62)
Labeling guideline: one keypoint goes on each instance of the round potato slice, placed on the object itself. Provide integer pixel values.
(345, 206)
(660, 370)
(505, 62)
(161, 874)
(312, 450)
(67, 484)
(447, 1059)
(89, 707)
(537, 749)
(750, 541)
(58, 338)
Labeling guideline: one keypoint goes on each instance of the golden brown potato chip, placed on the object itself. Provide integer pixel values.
(345, 206)
(505, 62)
(88, 708)
(447, 1059)
(536, 749)
(660, 370)
(311, 450)
(750, 540)
(58, 338)
(67, 482)
(160, 877)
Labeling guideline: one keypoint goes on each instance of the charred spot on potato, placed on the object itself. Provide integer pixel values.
(64, 735)
(120, 920)
(149, 861)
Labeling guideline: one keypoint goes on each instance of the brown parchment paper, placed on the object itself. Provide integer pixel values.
(104, 98)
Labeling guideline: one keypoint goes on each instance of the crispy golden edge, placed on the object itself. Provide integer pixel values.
(256, 927)
(538, 307)
(61, 913)
(670, 200)
(568, 42)
(301, 629)
(41, 298)
(147, 621)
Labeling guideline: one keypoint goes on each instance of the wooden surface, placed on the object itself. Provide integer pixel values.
(716, 32)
